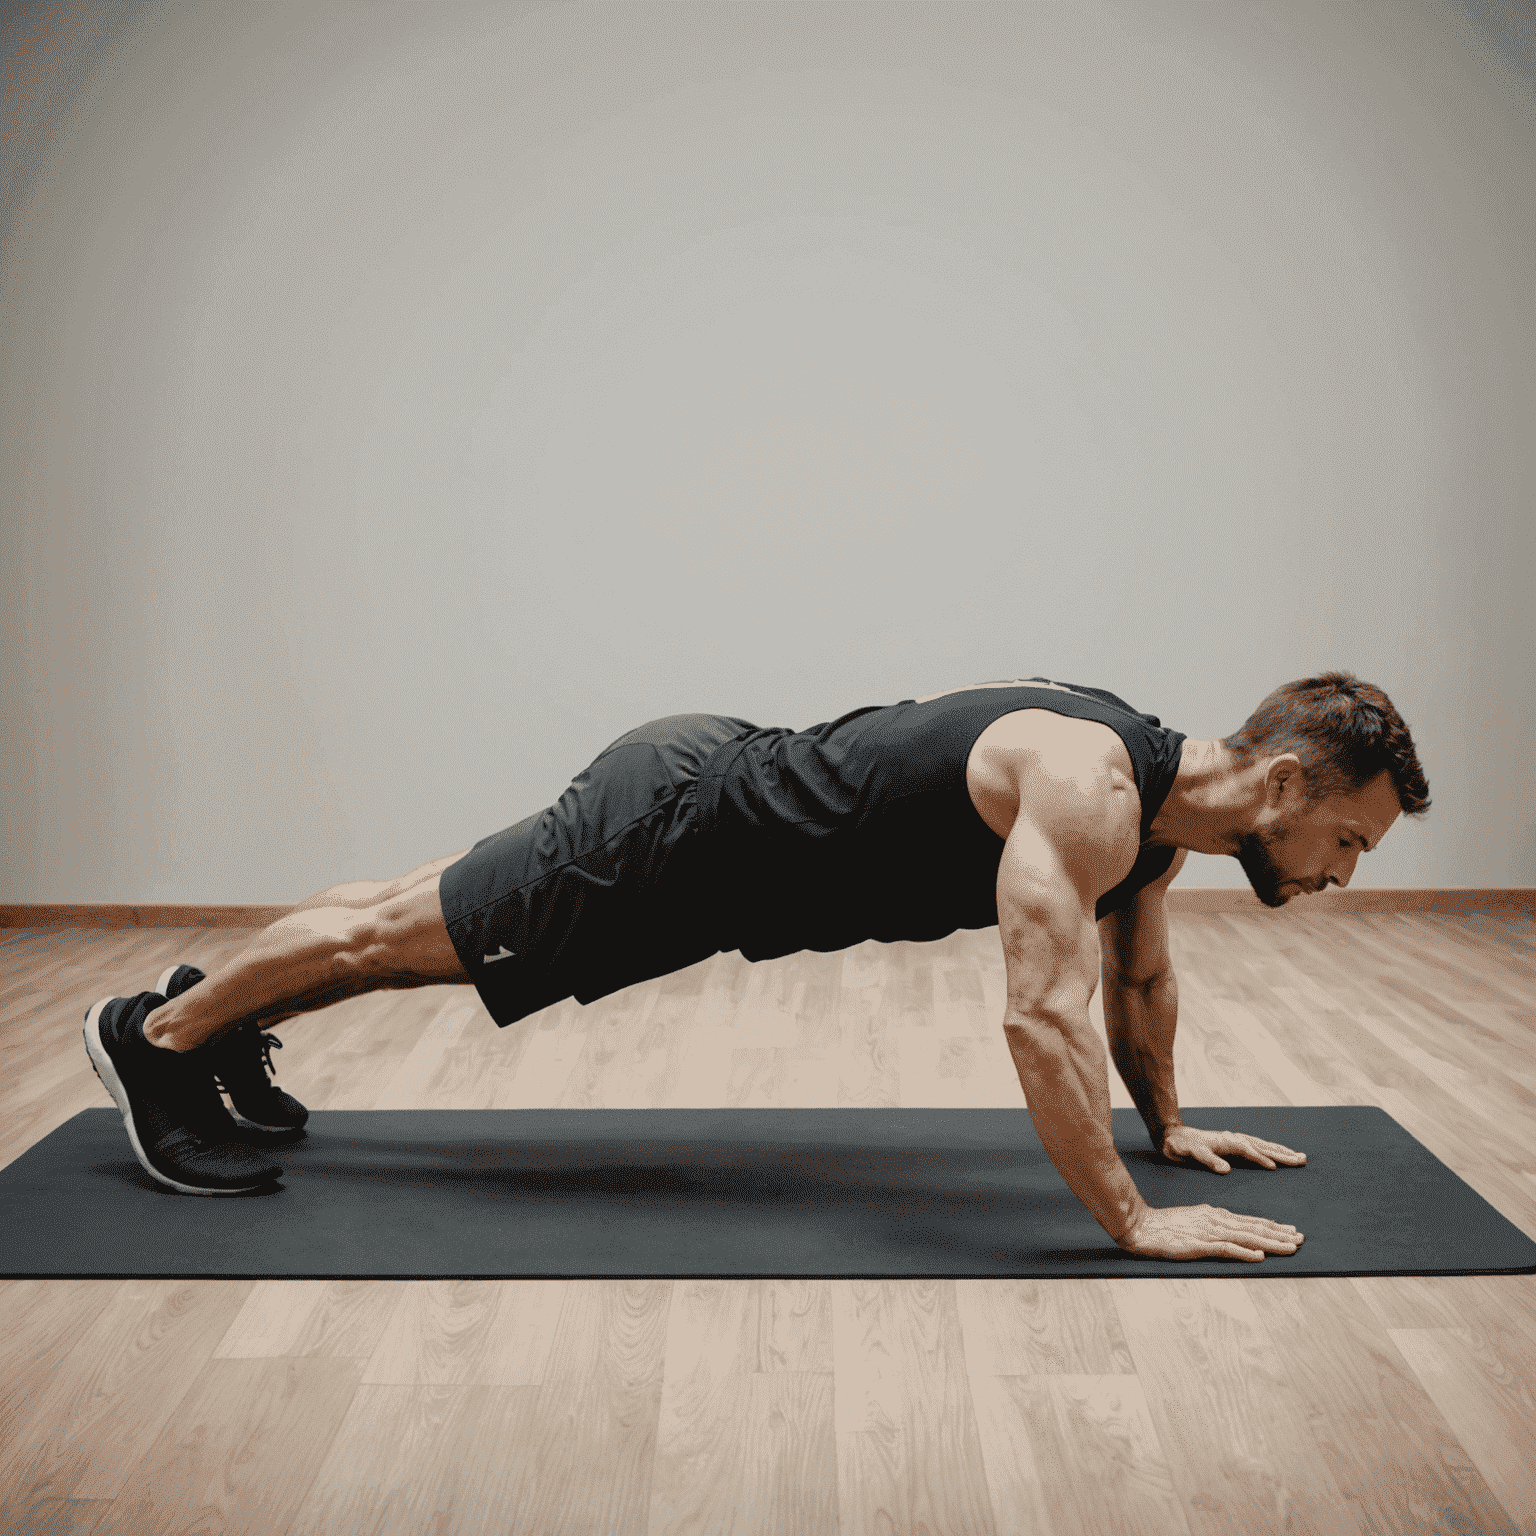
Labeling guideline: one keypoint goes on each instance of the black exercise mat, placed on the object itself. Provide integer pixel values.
(532, 1193)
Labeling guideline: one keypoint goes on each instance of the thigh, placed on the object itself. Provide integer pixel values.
(404, 941)
(541, 910)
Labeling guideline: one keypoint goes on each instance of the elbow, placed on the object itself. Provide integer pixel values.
(1033, 1021)
(1122, 982)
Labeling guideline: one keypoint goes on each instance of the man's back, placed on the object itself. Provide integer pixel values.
(696, 834)
(865, 826)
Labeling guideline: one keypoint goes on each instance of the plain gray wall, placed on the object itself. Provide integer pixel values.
(401, 401)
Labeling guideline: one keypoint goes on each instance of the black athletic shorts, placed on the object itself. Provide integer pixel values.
(607, 887)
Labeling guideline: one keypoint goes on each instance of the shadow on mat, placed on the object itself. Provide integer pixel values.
(966, 1207)
(942, 1199)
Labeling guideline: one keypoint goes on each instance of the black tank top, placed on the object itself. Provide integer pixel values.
(863, 828)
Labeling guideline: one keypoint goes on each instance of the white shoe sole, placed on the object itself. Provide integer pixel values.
(102, 1062)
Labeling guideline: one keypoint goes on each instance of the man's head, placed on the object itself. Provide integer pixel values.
(1329, 765)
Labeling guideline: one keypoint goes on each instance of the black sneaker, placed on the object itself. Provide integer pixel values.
(242, 1064)
(177, 1124)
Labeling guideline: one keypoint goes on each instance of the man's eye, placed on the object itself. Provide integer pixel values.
(1342, 843)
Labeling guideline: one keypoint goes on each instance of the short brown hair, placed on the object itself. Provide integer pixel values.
(1344, 731)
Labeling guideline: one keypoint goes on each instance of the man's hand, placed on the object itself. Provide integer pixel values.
(1206, 1232)
(1206, 1146)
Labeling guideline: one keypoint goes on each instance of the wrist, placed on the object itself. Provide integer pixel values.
(1127, 1232)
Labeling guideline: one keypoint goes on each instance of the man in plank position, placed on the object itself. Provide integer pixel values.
(1057, 812)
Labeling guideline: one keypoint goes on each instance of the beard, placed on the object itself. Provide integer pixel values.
(1264, 875)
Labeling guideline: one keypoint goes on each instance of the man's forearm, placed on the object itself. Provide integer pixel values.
(1140, 1022)
(1065, 1079)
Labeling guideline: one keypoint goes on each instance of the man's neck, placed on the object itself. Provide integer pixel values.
(1202, 809)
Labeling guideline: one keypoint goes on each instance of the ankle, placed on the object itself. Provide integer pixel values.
(162, 1032)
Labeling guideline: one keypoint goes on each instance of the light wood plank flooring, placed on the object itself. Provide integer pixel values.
(973, 1407)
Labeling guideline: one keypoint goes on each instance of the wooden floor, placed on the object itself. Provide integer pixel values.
(1097, 1406)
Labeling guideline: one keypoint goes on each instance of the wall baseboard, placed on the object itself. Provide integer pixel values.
(113, 914)
(1471, 898)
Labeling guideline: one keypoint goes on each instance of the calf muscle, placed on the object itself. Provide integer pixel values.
(405, 943)
(340, 943)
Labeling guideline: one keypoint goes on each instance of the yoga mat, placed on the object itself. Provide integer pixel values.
(528, 1193)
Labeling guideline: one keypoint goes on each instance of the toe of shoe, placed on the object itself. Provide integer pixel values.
(294, 1113)
(274, 1111)
(227, 1165)
(266, 1135)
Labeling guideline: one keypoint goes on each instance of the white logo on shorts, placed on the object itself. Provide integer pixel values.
(506, 954)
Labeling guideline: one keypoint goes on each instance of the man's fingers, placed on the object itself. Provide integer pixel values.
(1264, 1245)
(1258, 1232)
(1265, 1152)
(1259, 1223)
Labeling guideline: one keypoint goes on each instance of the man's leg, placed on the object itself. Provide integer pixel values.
(346, 940)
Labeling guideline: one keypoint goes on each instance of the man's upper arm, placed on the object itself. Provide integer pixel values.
(1062, 852)
(1134, 940)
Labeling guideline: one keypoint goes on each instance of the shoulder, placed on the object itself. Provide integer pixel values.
(1070, 781)
(1065, 741)
(1022, 758)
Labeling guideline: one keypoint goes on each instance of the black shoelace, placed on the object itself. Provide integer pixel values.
(269, 1043)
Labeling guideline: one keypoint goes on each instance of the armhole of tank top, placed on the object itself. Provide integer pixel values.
(1082, 698)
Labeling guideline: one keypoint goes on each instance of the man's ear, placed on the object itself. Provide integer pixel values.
(1283, 775)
